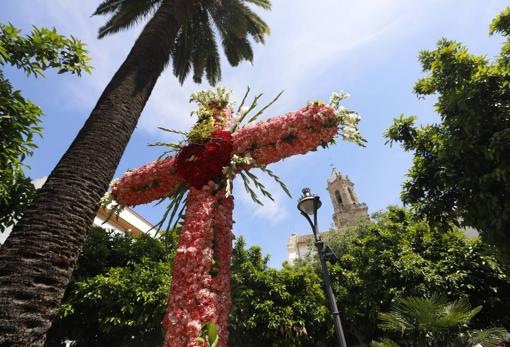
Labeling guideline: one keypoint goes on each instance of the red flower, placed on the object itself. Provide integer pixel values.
(200, 163)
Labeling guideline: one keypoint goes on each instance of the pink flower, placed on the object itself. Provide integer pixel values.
(196, 297)
(147, 183)
(295, 133)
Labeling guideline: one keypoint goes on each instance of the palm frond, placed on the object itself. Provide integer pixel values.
(108, 6)
(235, 22)
(213, 65)
(236, 49)
(394, 321)
(439, 320)
(455, 313)
(181, 53)
(204, 56)
(491, 337)
(126, 14)
(384, 343)
(265, 4)
(257, 28)
(413, 313)
(232, 17)
(422, 311)
(195, 45)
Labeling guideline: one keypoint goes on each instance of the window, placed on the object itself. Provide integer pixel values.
(338, 197)
(352, 195)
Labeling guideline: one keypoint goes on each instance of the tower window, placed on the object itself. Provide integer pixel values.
(338, 197)
(352, 195)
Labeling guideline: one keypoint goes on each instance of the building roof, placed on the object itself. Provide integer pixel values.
(127, 221)
(304, 239)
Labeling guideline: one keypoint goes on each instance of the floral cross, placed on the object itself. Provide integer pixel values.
(203, 167)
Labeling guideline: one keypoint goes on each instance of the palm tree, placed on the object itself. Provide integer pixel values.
(434, 322)
(37, 259)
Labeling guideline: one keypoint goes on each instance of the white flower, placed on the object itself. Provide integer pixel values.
(344, 95)
(243, 110)
(351, 118)
(334, 100)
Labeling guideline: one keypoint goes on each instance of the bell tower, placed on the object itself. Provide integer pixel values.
(348, 210)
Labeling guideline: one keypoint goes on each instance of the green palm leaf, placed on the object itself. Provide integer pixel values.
(195, 46)
(438, 321)
(181, 53)
(491, 337)
(126, 13)
(384, 343)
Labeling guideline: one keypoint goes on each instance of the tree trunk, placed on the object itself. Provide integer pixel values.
(37, 259)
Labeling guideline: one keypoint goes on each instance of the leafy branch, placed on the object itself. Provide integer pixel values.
(173, 131)
(248, 188)
(257, 115)
(277, 179)
(175, 208)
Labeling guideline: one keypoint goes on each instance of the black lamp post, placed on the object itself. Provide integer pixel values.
(308, 205)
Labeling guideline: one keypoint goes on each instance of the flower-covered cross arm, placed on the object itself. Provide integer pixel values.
(150, 182)
(295, 133)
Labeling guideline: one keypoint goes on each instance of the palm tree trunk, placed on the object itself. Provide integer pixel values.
(37, 259)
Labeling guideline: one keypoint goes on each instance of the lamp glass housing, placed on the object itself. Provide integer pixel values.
(308, 203)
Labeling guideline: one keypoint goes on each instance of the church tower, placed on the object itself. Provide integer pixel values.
(348, 211)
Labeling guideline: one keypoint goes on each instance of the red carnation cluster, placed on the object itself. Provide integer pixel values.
(200, 163)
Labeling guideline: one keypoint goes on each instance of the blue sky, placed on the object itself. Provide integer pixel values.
(368, 48)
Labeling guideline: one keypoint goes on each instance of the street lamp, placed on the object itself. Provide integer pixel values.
(308, 204)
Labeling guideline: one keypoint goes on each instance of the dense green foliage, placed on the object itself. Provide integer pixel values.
(276, 307)
(118, 293)
(195, 46)
(398, 255)
(42, 49)
(461, 166)
(433, 321)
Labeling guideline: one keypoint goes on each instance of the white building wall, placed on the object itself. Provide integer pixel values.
(127, 214)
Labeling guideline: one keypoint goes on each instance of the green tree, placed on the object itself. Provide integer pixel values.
(433, 321)
(117, 294)
(35, 53)
(52, 231)
(399, 255)
(461, 166)
(271, 307)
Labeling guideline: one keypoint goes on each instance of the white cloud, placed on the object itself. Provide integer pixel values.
(306, 39)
